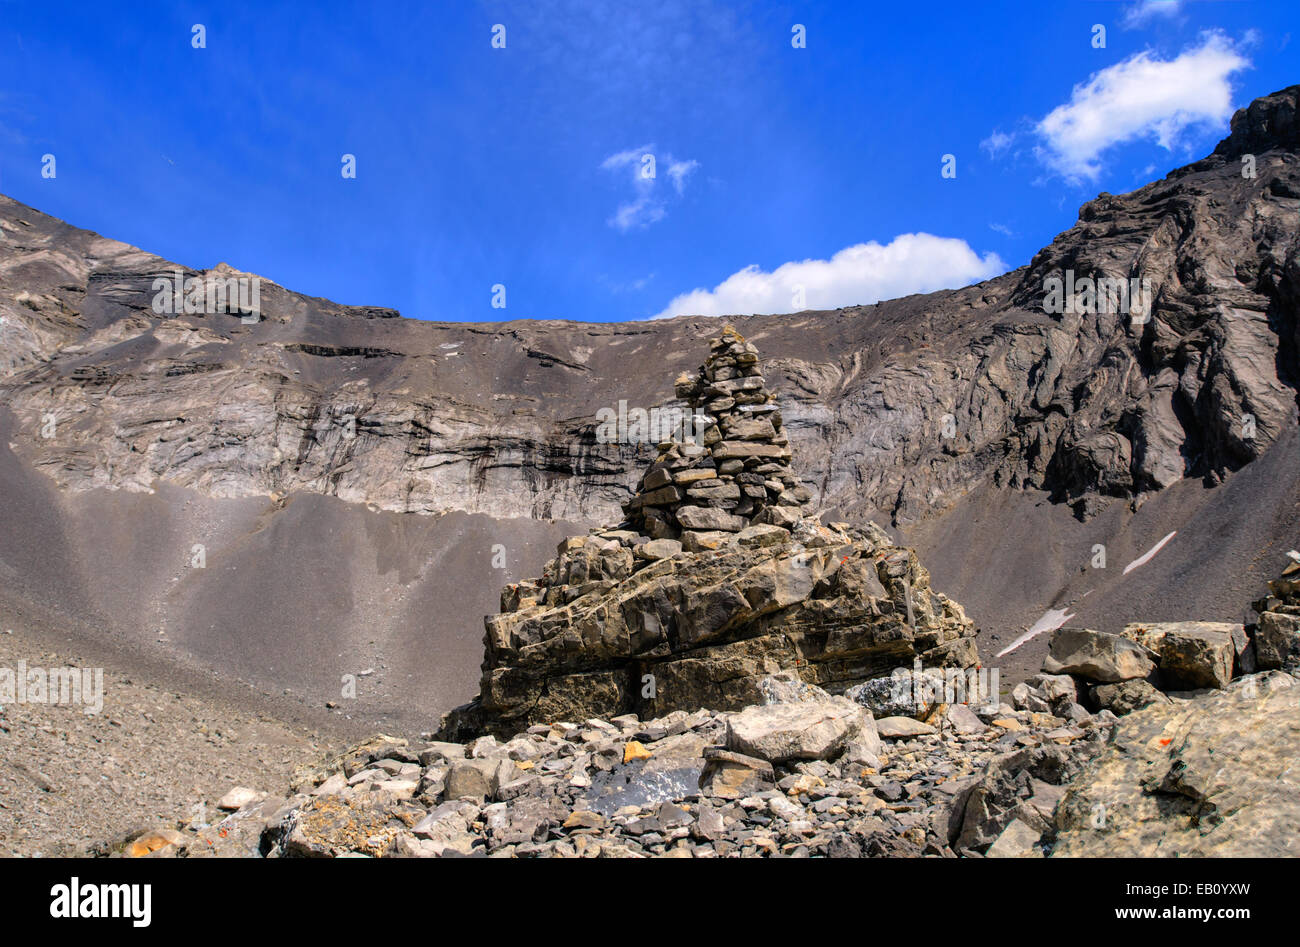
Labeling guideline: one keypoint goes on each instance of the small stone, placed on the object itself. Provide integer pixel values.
(657, 549)
(902, 728)
(158, 843)
(632, 750)
(763, 535)
(584, 819)
(1017, 840)
(239, 797)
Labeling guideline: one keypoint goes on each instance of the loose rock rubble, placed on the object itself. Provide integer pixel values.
(925, 762)
(804, 775)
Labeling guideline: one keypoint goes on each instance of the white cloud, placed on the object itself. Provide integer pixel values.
(857, 275)
(1141, 97)
(1002, 229)
(648, 206)
(678, 171)
(1143, 12)
(996, 143)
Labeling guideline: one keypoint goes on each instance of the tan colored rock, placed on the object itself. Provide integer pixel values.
(239, 797)
(1214, 776)
(1096, 655)
(729, 775)
(1192, 654)
(1277, 641)
(805, 730)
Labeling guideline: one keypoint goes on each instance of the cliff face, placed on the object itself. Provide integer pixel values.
(905, 411)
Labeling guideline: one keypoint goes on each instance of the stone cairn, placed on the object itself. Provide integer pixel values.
(739, 476)
(718, 577)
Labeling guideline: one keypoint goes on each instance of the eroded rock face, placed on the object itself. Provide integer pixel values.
(1214, 776)
(604, 632)
(620, 623)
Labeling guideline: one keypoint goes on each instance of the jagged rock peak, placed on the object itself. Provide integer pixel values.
(1268, 122)
(732, 467)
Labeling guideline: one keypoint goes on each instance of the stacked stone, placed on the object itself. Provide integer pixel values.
(740, 475)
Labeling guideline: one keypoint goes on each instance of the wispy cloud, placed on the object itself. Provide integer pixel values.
(643, 167)
(858, 275)
(619, 287)
(997, 143)
(679, 171)
(1141, 13)
(1141, 97)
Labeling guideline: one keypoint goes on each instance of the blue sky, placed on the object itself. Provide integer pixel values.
(522, 166)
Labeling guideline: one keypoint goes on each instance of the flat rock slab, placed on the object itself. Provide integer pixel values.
(902, 728)
(1210, 777)
(807, 730)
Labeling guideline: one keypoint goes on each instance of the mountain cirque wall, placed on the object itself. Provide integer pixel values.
(624, 623)
(497, 418)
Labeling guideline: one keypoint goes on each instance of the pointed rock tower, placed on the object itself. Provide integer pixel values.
(718, 578)
(739, 474)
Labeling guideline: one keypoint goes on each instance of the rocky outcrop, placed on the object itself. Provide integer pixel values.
(1214, 776)
(622, 623)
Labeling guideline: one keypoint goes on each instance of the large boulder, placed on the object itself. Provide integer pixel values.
(1277, 641)
(1096, 655)
(1212, 776)
(1191, 654)
(806, 730)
